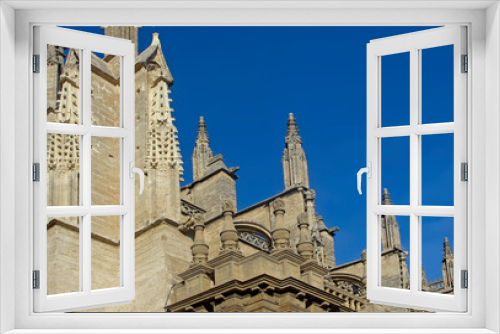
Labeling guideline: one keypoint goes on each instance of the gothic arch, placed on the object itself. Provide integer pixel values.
(254, 235)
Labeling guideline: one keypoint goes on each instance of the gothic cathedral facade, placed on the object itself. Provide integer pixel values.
(195, 251)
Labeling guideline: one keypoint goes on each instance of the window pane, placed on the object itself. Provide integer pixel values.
(437, 84)
(63, 255)
(395, 249)
(105, 93)
(63, 169)
(63, 85)
(437, 169)
(105, 252)
(395, 169)
(105, 171)
(437, 254)
(395, 89)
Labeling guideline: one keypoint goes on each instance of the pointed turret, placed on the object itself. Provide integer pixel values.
(390, 228)
(294, 158)
(202, 152)
(158, 151)
(386, 198)
(425, 282)
(448, 264)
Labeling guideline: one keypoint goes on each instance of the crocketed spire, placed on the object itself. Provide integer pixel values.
(202, 152)
(391, 238)
(294, 158)
(448, 264)
(386, 198)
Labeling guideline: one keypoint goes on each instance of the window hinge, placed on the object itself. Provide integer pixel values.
(36, 172)
(464, 171)
(36, 63)
(465, 64)
(36, 279)
(465, 279)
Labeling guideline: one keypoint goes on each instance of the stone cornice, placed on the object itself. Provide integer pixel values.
(196, 269)
(225, 257)
(237, 286)
(270, 199)
(229, 172)
(288, 254)
(154, 224)
(311, 265)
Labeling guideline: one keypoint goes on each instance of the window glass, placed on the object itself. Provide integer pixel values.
(63, 255)
(437, 84)
(395, 86)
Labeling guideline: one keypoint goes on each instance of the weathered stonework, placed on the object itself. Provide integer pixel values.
(194, 251)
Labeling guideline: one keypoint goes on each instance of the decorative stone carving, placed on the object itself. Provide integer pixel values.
(302, 219)
(193, 213)
(279, 204)
(228, 235)
(199, 248)
(281, 234)
(254, 239)
(305, 246)
(310, 195)
(294, 158)
(227, 206)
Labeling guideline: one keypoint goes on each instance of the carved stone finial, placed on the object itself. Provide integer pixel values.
(363, 255)
(199, 248)
(281, 234)
(199, 219)
(303, 219)
(279, 204)
(227, 206)
(228, 235)
(305, 246)
(294, 158)
(386, 198)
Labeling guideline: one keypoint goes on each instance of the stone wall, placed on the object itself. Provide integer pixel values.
(210, 193)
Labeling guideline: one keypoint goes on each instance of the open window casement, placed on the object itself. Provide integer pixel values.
(414, 294)
(91, 161)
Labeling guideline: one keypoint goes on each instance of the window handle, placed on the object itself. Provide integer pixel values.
(368, 171)
(133, 170)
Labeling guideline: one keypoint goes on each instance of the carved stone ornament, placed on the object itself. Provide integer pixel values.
(310, 195)
(194, 219)
(279, 204)
(302, 219)
(227, 206)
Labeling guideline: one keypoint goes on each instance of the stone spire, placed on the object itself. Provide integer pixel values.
(390, 228)
(305, 246)
(281, 234)
(199, 248)
(386, 198)
(159, 151)
(294, 159)
(448, 264)
(425, 282)
(202, 152)
(228, 235)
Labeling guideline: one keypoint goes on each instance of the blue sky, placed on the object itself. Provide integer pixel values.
(245, 81)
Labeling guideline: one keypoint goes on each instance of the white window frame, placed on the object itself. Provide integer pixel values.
(85, 44)
(414, 43)
(483, 20)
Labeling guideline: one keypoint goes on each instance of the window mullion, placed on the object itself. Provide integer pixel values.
(86, 171)
(415, 170)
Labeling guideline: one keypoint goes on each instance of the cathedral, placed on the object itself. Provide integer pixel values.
(195, 250)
